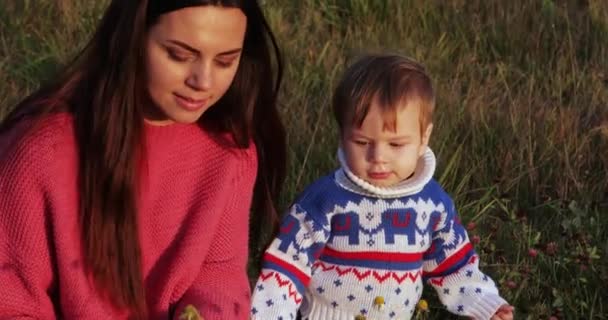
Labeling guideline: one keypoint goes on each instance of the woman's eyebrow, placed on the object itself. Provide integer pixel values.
(193, 50)
(184, 45)
(231, 52)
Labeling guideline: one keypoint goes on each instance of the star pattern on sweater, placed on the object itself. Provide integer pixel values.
(350, 260)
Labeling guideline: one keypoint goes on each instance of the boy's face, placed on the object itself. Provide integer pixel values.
(381, 156)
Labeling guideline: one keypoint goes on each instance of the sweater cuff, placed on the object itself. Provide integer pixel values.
(486, 306)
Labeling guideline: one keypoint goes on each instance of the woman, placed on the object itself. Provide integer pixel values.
(126, 185)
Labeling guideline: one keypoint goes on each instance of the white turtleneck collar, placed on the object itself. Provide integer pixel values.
(425, 168)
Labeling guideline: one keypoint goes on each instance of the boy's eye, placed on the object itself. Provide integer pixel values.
(360, 142)
(396, 145)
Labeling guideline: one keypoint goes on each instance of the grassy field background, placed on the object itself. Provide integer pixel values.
(521, 129)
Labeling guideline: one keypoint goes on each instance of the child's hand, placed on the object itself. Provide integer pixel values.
(505, 312)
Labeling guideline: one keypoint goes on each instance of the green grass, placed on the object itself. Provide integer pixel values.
(521, 129)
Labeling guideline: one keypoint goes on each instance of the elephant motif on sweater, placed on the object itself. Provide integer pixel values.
(393, 222)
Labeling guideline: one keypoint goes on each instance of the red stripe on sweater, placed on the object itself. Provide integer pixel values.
(303, 277)
(451, 261)
(373, 255)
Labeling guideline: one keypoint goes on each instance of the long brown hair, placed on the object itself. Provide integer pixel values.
(104, 88)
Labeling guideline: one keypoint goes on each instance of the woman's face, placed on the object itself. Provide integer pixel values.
(192, 55)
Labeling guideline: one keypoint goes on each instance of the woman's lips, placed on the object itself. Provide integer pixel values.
(190, 104)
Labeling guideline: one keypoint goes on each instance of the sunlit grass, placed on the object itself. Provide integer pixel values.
(521, 129)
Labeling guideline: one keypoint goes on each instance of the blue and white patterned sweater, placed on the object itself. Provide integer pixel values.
(347, 248)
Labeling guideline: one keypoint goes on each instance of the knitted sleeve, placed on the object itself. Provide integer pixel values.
(287, 265)
(26, 268)
(451, 267)
(221, 289)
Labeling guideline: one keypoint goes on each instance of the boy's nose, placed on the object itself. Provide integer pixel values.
(376, 154)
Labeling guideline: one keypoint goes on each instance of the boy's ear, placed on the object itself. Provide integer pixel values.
(427, 134)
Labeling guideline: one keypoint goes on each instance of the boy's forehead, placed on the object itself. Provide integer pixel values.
(390, 120)
(393, 112)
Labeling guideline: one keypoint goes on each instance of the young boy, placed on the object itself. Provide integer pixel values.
(360, 242)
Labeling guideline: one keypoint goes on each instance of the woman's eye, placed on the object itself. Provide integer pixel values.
(177, 56)
(224, 64)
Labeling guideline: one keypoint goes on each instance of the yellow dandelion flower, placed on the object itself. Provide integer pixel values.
(423, 305)
(190, 313)
(379, 302)
(422, 310)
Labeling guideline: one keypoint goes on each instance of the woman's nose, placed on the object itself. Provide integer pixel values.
(201, 77)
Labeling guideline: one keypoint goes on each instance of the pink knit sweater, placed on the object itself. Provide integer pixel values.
(194, 213)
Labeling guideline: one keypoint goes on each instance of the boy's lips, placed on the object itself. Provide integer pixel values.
(379, 175)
